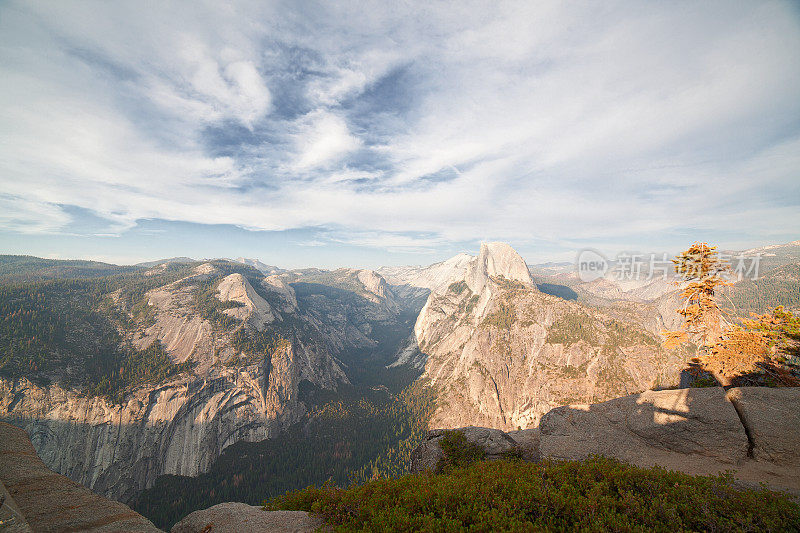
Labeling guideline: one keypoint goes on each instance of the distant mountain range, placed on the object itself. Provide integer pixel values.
(171, 260)
(777, 269)
(266, 269)
(26, 268)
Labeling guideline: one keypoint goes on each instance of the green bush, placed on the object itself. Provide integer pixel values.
(705, 381)
(471, 303)
(458, 451)
(598, 494)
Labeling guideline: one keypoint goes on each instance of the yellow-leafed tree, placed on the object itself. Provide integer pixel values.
(703, 322)
(762, 346)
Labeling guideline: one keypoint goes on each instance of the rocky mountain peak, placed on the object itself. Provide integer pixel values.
(235, 288)
(497, 259)
(435, 278)
(205, 269)
(258, 265)
(373, 282)
(283, 290)
(494, 259)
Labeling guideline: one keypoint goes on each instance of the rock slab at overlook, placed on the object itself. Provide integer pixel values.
(754, 432)
(234, 517)
(427, 455)
(51, 502)
(772, 417)
(696, 431)
(671, 428)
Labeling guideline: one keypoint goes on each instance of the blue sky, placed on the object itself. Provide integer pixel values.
(360, 134)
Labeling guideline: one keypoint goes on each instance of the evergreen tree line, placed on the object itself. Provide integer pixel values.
(69, 330)
(780, 286)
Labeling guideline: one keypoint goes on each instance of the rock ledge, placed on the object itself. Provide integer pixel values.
(52, 502)
(234, 517)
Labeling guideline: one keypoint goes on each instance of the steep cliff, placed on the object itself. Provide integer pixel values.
(41, 500)
(501, 353)
(174, 428)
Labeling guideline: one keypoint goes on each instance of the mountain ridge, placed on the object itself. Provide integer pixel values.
(250, 341)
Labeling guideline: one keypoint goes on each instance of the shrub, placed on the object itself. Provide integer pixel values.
(458, 451)
(471, 303)
(598, 494)
(704, 381)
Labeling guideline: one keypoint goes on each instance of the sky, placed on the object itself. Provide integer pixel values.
(363, 134)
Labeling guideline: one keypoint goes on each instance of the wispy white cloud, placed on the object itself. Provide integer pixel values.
(211, 91)
(322, 139)
(390, 241)
(412, 127)
(26, 216)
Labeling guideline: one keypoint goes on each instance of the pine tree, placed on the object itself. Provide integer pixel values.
(764, 349)
(703, 320)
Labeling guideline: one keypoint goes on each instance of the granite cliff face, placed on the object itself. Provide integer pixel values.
(175, 428)
(496, 259)
(501, 353)
(240, 387)
(37, 499)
